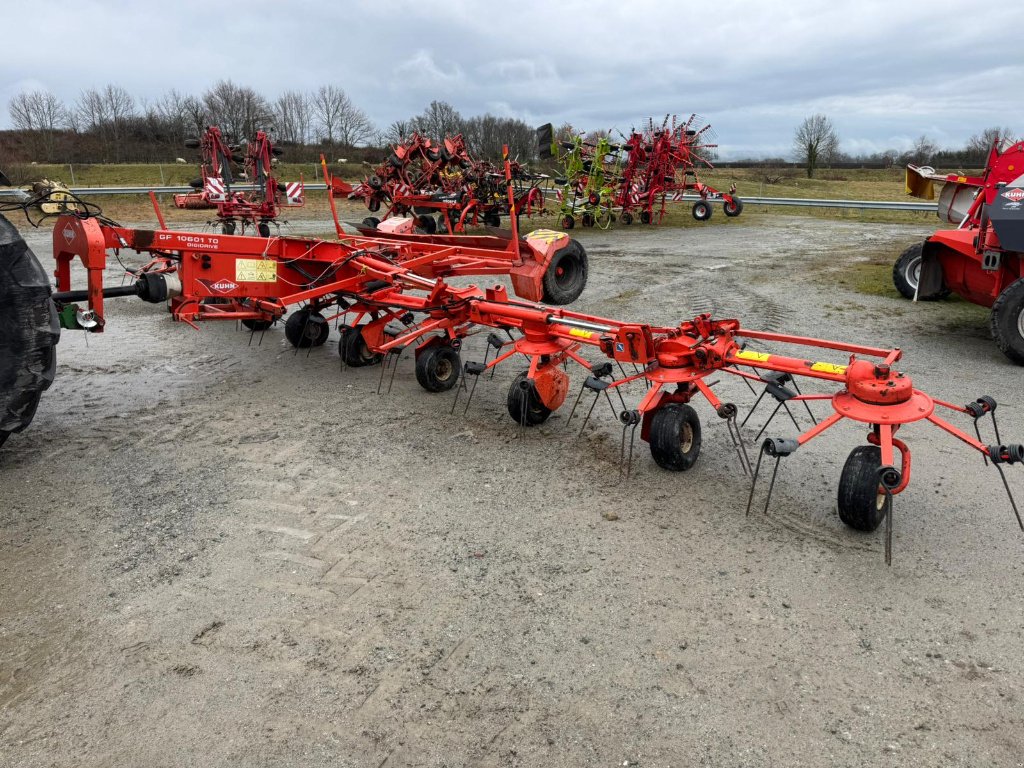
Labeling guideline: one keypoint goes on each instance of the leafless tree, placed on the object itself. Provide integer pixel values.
(338, 118)
(923, 150)
(196, 115)
(396, 133)
(980, 144)
(92, 110)
(40, 113)
(292, 116)
(815, 142)
(237, 109)
(440, 119)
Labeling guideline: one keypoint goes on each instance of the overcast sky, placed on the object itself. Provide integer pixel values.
(885, 72)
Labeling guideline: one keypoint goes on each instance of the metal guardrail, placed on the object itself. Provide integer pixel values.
(882, 205)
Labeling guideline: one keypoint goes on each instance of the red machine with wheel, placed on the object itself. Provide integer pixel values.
(981, 260)
(237, 210)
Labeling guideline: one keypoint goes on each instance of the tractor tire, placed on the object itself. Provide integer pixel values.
(566, 275)
(371, 222)
(906, 274)
(701, 210)
(31, 330)
(568, 222)
(862, 504)
(524, 404)
(306, 328)
(438, 368)
(1007, 321)
(675, 437)
(734, 208)
(353, 350)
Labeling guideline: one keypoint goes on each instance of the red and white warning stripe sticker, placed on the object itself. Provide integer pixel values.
(215, 190)
(293, 191)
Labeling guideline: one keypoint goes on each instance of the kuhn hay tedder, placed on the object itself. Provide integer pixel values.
(389, 294)
(981, 260)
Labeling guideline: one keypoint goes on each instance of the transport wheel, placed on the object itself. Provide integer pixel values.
(257, 325)
(627, 218)
(645, 217)
(863, 504)
(228, 227)
(1007, 321)
(492, 219)
(29, 335)
(263, 228)
(701, 210)
(374, 182)
(353, 350)
(675, 437)
(568, 222)
(524, 403)
(427, 223)
(566, 275)
(373, 204)
(734, 208)
(306, 328)
(438, 368)
(906, 275)
(587, 220)
(371, 222)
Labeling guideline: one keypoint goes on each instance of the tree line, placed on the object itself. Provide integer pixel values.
(816, 144)
(110, 125)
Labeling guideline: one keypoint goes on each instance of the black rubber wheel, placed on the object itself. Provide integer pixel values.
(701, 210)
(587, 220)
(627, 218)
(1007, 321)
(263, 229)
(492, 219)
(735, 208)
(306, 328)
(394, 160)
(227, 228)
(524, 404)
(257, 325)
(645, 217)
(371, 222)
(374, 182)
(675, 437)
(906, 274)
(862, 503)
(427, 223)
(30, 332)
(373, 205)
(566, 275)
(568, 222)
(438, 368)
(353, 350)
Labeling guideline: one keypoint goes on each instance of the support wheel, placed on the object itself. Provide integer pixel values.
(227, 227)
(587, 219)
(257, 325)
(675, 437)
(568, 222)
(438, 367)
(306, 328)
(627, 218)
(566, 275)
(701, 210)
(371, 222)
(1007, 321)
(353, 349)
(427, 223)
(645, 217)
(492, 219)
(524, 404)
(263, 228)
(863, 504)
(906, 275)
(733, 207)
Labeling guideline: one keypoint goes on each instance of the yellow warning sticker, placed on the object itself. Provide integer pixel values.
(961, 179)
(546, 235)
(255, 271)
(756, 357)
(839, 370)
(581, 333)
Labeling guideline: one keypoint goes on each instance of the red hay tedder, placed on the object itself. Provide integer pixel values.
(256, 208)
(389, 293)
(981, 260)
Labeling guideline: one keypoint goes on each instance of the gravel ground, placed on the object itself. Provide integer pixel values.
(216, 552)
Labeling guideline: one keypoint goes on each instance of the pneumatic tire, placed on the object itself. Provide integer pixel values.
(566, 275)
(675, 437)
(1007, 321)
(863, 504)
